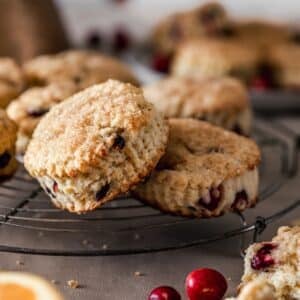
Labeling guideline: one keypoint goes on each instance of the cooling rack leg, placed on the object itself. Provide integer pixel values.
(242, 236)
(260, 226)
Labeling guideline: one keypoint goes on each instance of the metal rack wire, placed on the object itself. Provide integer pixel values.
(30, 224)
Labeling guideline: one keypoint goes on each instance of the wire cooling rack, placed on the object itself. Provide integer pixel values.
(30, 224)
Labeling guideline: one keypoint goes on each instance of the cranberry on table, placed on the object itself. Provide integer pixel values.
(121, 40)
(205, 284)
(164, 293)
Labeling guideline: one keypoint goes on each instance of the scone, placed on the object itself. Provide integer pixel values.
(205, 172)
(11, 81)
(8, 136)
(215, 58)
(28, 109)
(256, 290)
(85, 68)
(277, 262)
(95, 145)
(223, 102)
(204, 20)
(284, 59)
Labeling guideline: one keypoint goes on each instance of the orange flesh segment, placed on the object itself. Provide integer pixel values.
(11, 291)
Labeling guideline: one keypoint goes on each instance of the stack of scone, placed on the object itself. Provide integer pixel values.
(207, 42)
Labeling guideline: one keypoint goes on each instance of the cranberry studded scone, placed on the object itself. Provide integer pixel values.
(212, 57)
(223, 102)
(204, 20)
(277, 262)
(84, 67)
(11, 81)
(29, 108)
(8, 136)
(256, 290)
(96, 145)
(205, 172)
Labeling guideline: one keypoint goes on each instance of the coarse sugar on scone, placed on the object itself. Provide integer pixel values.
(96, 145)
(205, 172)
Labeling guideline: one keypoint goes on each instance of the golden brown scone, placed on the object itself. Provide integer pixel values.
(8, 136)
(29, 108)
(284, 59)
(204, 20)
(84, 67)
(205, 172)
(96, 145)
(11, 81)
(210, 58)
(222, 101)
(276, 262)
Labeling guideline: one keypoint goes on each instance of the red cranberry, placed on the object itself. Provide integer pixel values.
(241, 200)
(263, 258)
(260, 83)
(161, 63)
(4, 159)
(164, 293)
(37, 112)
(205, 284)
(215, 196)
(119, 142)
(55, 187)
(121, 40)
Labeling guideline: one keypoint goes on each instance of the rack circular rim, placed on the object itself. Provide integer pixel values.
(289, 167)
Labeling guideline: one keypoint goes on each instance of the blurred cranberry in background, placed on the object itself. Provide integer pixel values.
(161, 62)
(121, 40)
(94, 40)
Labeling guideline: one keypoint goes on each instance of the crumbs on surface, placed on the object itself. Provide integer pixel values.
(74, 284)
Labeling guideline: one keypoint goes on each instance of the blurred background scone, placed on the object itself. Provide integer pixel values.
(215, 58)
(28, 109)
(206, 172)
(201, 21)
(95, 145)
(284, 61)
(8, 137)
(11, 81)
(84, 67)
(222, 101)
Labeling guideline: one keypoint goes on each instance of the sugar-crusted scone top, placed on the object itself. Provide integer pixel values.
(196, 147)
(84, 67)
(11, 80)
(82, 130)
(213, 57)
(192, 97)
(8, 132)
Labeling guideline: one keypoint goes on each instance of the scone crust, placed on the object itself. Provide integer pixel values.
(284, 273)
(183, 97)
(211, 57)
(75, 146)
(11, 81)
(28, 109)
(84, 67)
(8, 136)
(199, 157)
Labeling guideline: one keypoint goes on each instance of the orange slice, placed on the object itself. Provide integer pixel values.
(24, 286)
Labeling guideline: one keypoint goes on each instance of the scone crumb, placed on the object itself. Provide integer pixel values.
(54, 281)
(85, 242)
(19, 263)
(138, 274)
(74, 284)
(104, 246)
